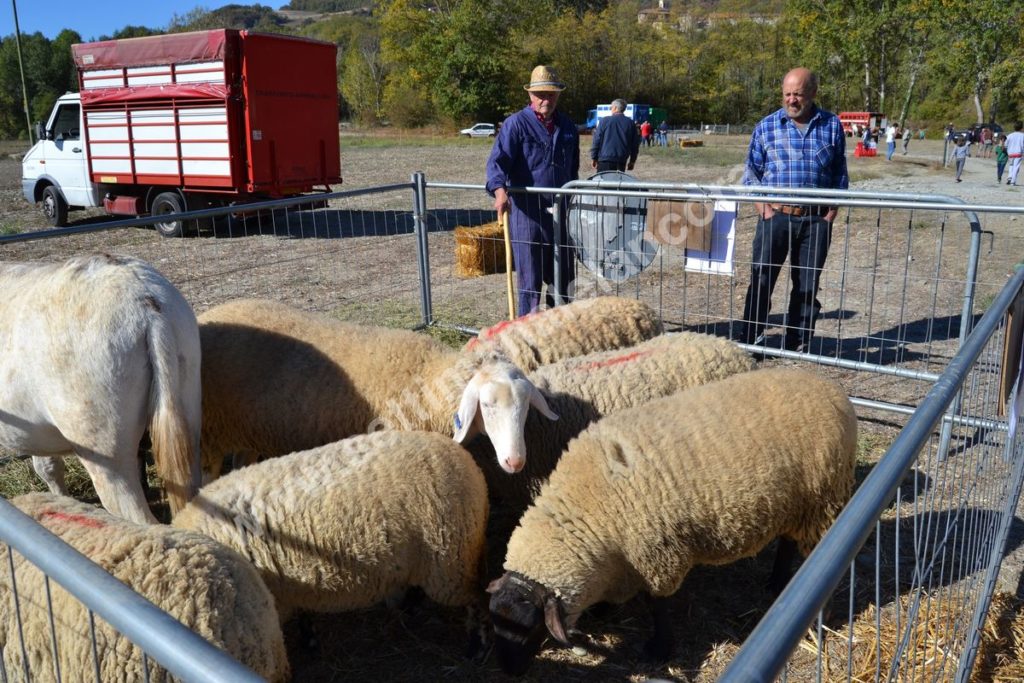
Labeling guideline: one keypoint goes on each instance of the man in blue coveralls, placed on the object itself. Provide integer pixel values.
(536, 147)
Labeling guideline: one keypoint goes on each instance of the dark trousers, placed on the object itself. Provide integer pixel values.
(532, 229)
(1000, 167)
(805, 239)
(611, 165)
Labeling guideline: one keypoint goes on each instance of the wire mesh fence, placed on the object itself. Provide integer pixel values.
(913, 580)
(906, 279)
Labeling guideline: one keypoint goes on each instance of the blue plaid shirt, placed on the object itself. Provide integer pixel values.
(782, 156)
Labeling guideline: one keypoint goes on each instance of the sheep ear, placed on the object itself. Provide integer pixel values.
(554, 618)
(467, 411)
(495, 586)
(538, 401)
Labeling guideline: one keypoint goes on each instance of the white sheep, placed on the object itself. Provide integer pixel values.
(583, 389)
(350, 524)
(93, 351)
(706, 476)
(581, 327)
(209, 588)
(276, 380)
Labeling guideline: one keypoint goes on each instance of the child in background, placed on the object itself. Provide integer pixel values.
(1001, 156)
(960, 153)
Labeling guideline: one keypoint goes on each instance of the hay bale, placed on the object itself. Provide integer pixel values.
(686, 142)
(479, 250)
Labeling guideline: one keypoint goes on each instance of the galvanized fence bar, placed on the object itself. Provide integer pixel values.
(874, 286)
(422, 252)
(768, 647)
(175, 647)
(870, 347)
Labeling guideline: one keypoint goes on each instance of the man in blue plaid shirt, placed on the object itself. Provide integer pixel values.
(800, 145)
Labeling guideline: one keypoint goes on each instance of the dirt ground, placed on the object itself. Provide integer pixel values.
(717, 607)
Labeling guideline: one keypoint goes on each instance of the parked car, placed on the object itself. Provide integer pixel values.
(479, 130)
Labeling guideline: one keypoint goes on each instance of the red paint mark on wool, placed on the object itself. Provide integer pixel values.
(498, 328)
(74, 519)
(618, 360)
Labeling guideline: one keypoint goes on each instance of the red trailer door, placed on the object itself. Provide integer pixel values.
(291, 94)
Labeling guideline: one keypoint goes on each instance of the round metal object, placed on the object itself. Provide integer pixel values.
(608, 232)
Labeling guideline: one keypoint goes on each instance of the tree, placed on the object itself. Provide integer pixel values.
(458, 54)
(364, 79)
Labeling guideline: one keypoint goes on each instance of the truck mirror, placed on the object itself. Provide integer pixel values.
(40, 131)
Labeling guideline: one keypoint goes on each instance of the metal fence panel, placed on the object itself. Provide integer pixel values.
(906, 279)
(157, 635)
(914, 579)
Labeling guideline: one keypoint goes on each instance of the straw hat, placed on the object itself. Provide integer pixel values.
(544, 79)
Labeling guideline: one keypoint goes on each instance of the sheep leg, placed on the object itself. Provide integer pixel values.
(51, 471)
(782, 570)
(659, 647)
(116, 480)
(478, 625)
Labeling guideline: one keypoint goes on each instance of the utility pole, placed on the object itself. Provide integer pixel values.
(21, 68)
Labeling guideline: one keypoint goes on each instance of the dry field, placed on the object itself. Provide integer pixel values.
(361, 265)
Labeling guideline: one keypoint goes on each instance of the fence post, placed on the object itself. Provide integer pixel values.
(419, 217)
(558, 239)
(160, 636)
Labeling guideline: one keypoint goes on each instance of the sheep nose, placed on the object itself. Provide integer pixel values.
(513, 463)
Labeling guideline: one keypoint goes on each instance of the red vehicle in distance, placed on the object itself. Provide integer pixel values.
(854, 122)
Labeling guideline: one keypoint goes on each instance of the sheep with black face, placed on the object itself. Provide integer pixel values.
(643, 495)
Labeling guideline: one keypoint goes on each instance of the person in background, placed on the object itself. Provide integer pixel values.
(906, 139)
(1014, 150)
(1001, 156)
(961, 151)
(616, 142)
(537, 147)
(891, 132)
(799, 145)
(645, 132)
(663, 134)
(986, 142)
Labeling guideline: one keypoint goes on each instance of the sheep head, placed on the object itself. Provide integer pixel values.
(496, 402)
(520, 610)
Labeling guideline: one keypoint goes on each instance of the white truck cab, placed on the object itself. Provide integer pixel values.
(55, 171)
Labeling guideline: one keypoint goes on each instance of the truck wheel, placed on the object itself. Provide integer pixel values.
(54, 207)
(168, 203)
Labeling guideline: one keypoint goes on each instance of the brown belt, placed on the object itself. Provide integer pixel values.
(790, 210)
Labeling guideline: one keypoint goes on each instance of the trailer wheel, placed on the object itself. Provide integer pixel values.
(168, 203)
(54, 207)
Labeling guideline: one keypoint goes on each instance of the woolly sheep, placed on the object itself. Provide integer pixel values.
(93, 351)
(209, 588)
(581, 390)
(584, 326)
(277, 380)
(706, 476)
(350, 524)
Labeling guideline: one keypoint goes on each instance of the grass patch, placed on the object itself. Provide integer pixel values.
(405, 140)
(712, 155)
(9, 229)
(18, 477)
(384, 313)
(870, 448)
(984, 302)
